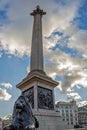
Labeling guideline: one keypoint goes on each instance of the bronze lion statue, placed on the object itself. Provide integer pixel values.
(23, 118)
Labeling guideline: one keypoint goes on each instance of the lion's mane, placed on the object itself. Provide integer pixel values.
(23, 118)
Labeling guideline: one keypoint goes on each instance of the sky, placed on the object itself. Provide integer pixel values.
(64, 46)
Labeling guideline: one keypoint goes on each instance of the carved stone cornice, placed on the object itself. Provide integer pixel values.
(37, 76)
(38, 11)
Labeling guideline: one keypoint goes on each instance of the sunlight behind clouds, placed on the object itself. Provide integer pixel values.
(4, 95)
(65, 44)
(73, 96)
(6, 85)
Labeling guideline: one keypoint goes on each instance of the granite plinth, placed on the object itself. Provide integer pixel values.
(49, 120)
(78, 129)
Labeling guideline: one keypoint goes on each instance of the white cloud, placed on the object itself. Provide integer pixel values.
(28, 69)
(82, 80)
(4, 95)
(85, 56)
(79, 41)
(68, 80)
(80, 83)
(10, 46)
(6, 85)
(60, 16)
(0, 55)
(70, 69)
(52, 40)
(73, 95)
(7, 117)
(53, 75)
(16, 36)
(82, 103)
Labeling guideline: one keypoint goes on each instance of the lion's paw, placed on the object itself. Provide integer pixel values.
(30, 127)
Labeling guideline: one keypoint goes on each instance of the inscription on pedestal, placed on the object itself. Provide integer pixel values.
(29, 93)
(45, 98)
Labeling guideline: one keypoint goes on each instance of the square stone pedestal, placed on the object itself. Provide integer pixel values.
(39, 88)
(49, 120)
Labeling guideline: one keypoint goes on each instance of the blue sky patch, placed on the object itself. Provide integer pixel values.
(3, 14)
(15, 36)
(81, 19)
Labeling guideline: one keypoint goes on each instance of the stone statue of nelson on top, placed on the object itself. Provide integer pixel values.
(23, 118)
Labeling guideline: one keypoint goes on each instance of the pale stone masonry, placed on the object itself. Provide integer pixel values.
(38, 86)
(37, 46)
(82, 116)
(68, 112)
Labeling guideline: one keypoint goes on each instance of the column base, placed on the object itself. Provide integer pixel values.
(49, 120)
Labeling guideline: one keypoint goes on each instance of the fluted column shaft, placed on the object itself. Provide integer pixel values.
(36, 62)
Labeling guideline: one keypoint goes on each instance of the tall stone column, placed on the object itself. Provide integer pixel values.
(36, 62)
(37, 86)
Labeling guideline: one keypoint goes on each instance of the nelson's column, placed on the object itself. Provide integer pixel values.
(37, 86)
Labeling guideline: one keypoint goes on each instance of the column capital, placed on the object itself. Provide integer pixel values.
(38, 10)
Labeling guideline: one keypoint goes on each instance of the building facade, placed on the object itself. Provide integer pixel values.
(82, 116)
(68, 112)
(0, 124)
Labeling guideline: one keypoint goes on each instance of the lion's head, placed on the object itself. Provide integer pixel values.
(20, 104)
(23, 118)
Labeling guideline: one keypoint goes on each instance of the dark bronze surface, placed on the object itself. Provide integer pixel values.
(23, 118)
(45, 98)
(30, 96)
